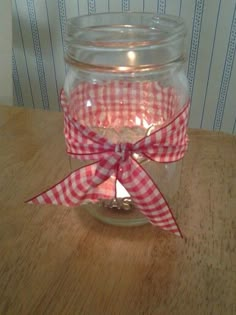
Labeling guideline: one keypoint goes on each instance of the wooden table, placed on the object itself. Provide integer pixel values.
(58, 260)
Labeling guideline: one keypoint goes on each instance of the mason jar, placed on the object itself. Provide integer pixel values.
(125, 79)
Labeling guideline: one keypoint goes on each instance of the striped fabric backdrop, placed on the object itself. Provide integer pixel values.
(38, 48)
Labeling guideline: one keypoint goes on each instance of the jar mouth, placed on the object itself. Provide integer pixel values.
(125, 39)
(123, 30)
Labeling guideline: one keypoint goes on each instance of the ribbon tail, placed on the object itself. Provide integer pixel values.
(77, 187)
(147, 196)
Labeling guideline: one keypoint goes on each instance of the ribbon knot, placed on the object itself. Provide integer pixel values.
(124, 149)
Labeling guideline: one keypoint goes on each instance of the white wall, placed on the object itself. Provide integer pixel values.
(6, 97)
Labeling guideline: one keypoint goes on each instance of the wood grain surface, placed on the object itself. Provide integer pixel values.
(58, 260)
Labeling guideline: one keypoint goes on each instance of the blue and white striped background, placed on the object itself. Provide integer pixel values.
(38, 48)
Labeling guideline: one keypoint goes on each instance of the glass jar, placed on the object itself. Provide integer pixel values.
(122, 70)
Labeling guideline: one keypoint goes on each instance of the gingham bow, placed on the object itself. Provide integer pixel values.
(94, 181)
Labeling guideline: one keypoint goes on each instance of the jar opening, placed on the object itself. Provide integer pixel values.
(124, 40)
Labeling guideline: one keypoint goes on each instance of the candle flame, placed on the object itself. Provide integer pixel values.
(131, 55)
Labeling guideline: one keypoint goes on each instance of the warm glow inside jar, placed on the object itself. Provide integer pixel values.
(125, 80)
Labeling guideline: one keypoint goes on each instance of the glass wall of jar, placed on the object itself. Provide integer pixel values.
(125, 80)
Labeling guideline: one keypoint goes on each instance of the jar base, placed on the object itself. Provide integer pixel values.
(114, 216)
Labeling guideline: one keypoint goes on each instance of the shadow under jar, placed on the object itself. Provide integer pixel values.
(125, 80)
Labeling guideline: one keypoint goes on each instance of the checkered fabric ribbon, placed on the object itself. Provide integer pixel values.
(116, 161)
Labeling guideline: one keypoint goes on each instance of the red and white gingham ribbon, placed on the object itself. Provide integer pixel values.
(94, 181)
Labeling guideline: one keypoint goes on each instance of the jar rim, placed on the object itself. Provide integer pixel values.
(90, 30)
(124, 42)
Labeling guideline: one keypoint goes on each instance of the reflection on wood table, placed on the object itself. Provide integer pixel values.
(58, 260)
